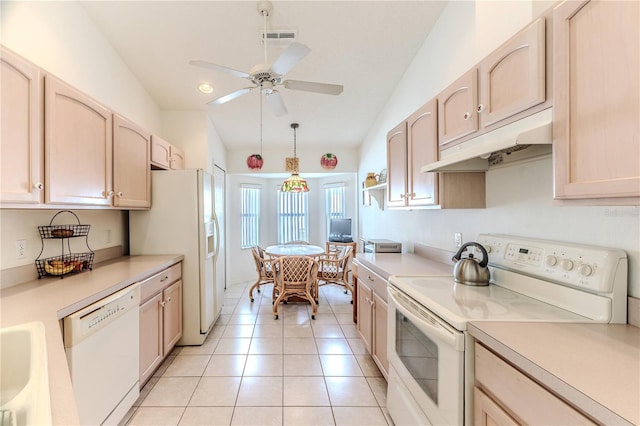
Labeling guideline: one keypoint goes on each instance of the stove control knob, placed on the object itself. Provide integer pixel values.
(552, 260)
(585, 270)
(566, 264)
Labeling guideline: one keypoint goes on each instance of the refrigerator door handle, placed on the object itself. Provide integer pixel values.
(215, 221)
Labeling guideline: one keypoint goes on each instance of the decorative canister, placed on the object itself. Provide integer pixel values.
(370, 180)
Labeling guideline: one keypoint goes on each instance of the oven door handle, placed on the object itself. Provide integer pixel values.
(424, 320)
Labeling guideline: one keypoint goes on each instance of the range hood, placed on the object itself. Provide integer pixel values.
(525, 138)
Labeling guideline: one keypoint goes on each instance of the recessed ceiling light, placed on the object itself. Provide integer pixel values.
(205, 88)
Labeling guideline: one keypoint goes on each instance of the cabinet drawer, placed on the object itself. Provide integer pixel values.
(525, 400)
(159, 281)
(373, 281)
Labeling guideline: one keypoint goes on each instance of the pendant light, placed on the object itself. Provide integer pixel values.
(295, 183)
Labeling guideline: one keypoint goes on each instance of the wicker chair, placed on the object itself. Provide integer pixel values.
(335, 265)
(264, 268)
(295, 276)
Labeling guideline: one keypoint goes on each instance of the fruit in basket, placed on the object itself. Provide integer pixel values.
(59, 269)
(62, 233)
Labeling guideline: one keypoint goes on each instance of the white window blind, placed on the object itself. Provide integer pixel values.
(334, 201)
(250, 215)
(293, 216)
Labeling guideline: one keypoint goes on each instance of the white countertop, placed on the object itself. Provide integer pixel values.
(595, 367)
(50, 299)
(387, 264)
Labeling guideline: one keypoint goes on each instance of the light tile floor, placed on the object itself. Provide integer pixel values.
(254, 370)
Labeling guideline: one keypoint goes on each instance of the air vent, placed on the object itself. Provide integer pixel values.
(279, 37)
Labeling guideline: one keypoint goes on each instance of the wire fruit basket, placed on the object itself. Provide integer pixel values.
(67, 262)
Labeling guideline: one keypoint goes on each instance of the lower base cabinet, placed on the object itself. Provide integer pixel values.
(371, 308)
(160, 319)
(505, 396)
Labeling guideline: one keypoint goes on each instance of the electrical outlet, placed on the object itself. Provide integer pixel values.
(21, 249)
(458, 238)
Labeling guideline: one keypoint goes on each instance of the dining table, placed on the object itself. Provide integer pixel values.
(294, 250)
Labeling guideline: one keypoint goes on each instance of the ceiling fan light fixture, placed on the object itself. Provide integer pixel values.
(205, 88)
(294, 183)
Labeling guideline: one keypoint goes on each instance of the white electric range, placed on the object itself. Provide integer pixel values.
(430, 353)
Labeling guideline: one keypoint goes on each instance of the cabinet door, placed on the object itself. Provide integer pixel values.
(21, 162)
(160, 153)
(365, 314)
(487, 413)
(150, 337)
(397, 165)
(172, 315)
(131, 174)
(512, 78)
(177, 158)
(422, 148)
(78, 147)
(596, 143)
(457, 116)
(379, 352)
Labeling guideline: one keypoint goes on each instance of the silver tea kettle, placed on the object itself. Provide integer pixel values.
(470, 271)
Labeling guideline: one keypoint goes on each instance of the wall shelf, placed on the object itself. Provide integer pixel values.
(377, 192)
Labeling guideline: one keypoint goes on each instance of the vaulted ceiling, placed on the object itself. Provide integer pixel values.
(366, 46)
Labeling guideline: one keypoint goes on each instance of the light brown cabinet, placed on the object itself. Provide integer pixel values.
(411, 145)
(372, 314)
(131, 174)
(596, 146)
(165, 156)
(504, 395)
(510, 80)
(160, 319)
(22, 159)
(78, 147)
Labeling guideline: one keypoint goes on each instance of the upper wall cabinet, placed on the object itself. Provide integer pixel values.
(131, 173)
(21, 169)
(507, 82)
(457, 106)
(597, 101)
(412, 144)
(512, 78)
(165, 156)
(78, 147)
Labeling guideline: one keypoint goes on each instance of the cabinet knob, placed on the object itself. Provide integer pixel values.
(369, 278)
(467, 115)
(120, 194)
(39, 186)
(163, 303)
(480, 108)
(169, 299)
(163, 279)
(110, 194)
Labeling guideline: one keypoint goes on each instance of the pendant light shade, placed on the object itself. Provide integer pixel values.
(295, 183)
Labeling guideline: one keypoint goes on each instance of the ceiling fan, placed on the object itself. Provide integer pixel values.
(267, 77)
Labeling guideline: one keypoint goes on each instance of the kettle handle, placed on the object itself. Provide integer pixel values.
(485, 256)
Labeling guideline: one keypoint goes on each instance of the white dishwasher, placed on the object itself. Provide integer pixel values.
(102, 347)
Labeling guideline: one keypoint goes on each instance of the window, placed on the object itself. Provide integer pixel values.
(250, 215)
(334, 201)
(293, 216)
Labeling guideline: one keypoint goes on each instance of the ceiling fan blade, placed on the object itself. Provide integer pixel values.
(209, 65)
(277, 104)
(309, 86)
(230, 96)
(289, 58)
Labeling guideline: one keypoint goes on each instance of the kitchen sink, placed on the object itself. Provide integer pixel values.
(24, 380)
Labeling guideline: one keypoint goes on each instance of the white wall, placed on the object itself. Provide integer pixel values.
(519, 197)
(240, 262)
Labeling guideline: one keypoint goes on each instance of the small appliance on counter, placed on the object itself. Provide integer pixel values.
(380, 246)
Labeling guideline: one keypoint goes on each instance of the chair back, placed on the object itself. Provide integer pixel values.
(263, 264)
(295, 272)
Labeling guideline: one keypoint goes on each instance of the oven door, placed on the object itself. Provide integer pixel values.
(426, 363)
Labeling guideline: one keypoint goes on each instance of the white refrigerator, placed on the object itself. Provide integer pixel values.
(182, 220)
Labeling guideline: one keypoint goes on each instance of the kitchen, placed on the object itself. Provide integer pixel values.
(519, 199)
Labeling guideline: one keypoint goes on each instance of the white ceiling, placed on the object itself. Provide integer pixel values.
(364, 45)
